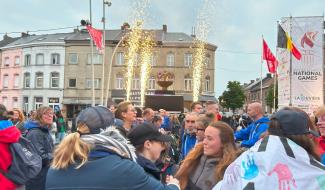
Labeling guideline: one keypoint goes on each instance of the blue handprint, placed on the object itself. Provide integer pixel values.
(250, 168)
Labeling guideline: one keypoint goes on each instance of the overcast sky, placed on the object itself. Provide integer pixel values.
(235, 26)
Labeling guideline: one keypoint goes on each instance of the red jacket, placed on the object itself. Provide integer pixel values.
(7, 136)
(321, 144)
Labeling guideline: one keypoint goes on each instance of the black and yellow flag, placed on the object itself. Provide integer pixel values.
(284, 41)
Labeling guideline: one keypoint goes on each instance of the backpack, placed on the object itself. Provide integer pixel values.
(26, 163)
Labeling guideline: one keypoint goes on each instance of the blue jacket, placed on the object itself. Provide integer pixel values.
(188, 142)
(166, 124)
(109, 172)
(323, 159)
(252, 133)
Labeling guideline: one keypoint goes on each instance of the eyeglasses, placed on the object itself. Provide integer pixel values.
(199, 129)
(49, 113)
(190, 121)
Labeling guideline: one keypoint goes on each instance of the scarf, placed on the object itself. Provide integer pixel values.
(112, 140)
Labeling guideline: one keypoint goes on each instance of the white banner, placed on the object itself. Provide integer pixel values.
(307, 73)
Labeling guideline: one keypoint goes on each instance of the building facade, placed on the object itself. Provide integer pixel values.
(173, 52)
(253, 92)
(40, 71)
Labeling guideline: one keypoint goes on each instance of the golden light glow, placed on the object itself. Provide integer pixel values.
(202, 27)
(133, 41)
(145, 54)
(133, 44)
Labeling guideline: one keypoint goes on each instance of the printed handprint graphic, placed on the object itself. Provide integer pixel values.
(321, 182)
(284, 176)
(233, 173)
(250, 168)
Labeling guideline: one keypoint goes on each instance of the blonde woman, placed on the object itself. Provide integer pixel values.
(38, 133)
(97, 157)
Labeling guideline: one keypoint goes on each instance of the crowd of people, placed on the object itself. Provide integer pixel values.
(124, 147)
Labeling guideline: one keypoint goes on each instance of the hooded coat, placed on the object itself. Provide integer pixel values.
(8, 134)
(43, 142)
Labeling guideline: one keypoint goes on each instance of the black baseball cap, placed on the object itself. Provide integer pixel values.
(146, 131)
(293, 122)
(96, 118)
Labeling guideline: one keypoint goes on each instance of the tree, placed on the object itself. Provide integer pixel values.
(270, 95)
(233, 97)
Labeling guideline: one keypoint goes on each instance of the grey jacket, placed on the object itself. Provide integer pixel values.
(203, 177)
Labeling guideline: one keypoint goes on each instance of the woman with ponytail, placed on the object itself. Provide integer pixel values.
(97, 156)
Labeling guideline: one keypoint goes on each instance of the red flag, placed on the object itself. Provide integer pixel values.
(96, 36)
(271, 61)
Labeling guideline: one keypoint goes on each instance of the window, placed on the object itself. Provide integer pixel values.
(5, 81)
(188, 83)
(25, 104)
(55, 80)
(17, 60)
(188, 59)
(152, 83)
(6, 62)
(89, 83)
(207, 83)
(97, 59)
(120, 58)
(5, 101)
(72, 83)
(38, 102)
(16, 80)
(27, 60)
(170, 59)
(119, 81)
(55, 59)
(153, 60)
(207, 62)
(15, 102)
(39, 80)
(73, 58)
(136, 83)
(27, 80)
(40, 59)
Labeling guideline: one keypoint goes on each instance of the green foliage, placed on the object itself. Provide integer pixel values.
(233, 97)
(270, 95)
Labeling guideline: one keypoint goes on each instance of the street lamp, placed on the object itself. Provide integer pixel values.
(110, 66)
(108, 3)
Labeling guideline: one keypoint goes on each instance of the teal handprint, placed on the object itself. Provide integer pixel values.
(250, 168)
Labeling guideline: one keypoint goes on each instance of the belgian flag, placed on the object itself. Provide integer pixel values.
(284, 41)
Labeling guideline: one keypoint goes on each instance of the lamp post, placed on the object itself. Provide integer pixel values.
(108, 3)
(110, 66)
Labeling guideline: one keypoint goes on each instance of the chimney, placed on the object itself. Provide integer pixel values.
(252, 81)
(125, 26)
(6, 37)
(193, 32)
(76, 30)
(24, 34)
(165, 28)
(268, 75)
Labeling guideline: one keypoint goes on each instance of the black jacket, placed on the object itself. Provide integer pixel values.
(150, 168)
(41, 139)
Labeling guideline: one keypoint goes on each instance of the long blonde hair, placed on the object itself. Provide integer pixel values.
(72, 150)
(227, 155)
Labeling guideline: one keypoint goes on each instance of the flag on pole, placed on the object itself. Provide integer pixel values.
(96, 36)
(284, 41)
(270, 59)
